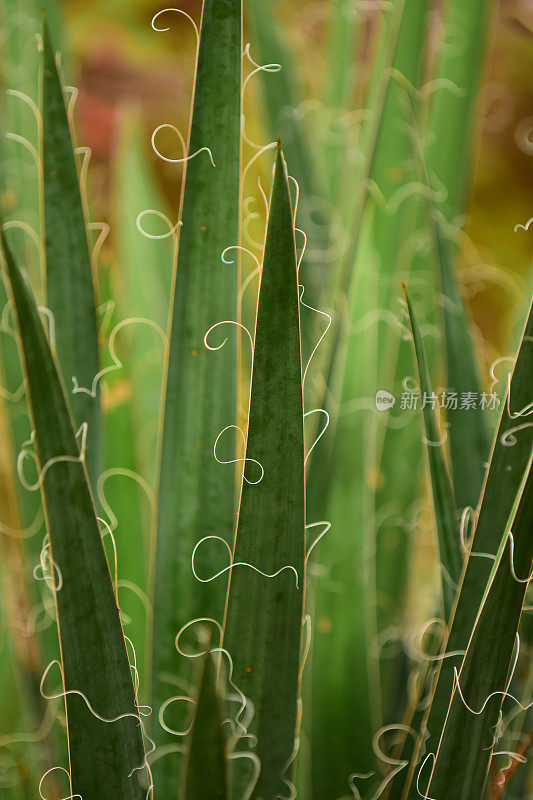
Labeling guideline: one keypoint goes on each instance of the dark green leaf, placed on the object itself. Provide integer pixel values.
(69, 281)
(106, 758)
(448, 534)
(206, 770)
(510, 455)
(196, 493)
(264, 613)
(470, 732)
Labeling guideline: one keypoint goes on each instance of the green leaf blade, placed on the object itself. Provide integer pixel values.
(468, 429)
(443, 497)
(264, 614)
(105, 757)
(468, 739)
(511, 451)
(452, 114)
(206, 772)
(282, 95)
(196, 493)
(69, 281)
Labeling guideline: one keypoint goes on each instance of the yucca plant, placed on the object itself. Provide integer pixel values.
(206, 588)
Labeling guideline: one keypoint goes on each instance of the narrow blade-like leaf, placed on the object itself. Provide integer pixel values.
(127, 500)
(283, 94)
(468, 428)
(266, 591)
(510, 455)
(69, 281)
(206, 768)
(106, 757)
(452, 114)
(441, 485)
(470, 733)
(467, 425)
(196, 492)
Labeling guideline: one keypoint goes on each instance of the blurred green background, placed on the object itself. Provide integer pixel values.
(121, 67)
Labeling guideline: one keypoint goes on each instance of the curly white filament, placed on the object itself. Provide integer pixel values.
(357, 776)
(26, 453)
(15, 137)
(263, 68)
(227, 322)
(238, 460)
(493, 366)
(74, 92)
(138, 592)
(246, 54)
(246, 283)
(296, 198)
(46, 312)
(324, 332)
(55, 769)
(133, 666)
(116, 472)
(326, 527)
(241, 698)
(109, 532)
(164, 706)
(249, 216)
(423, 764)
(46, 562)
(234, 564)
(23, 533)
(254, 158)
(439, 443)
(32, 105)
(523, 135)
(66, 692)
(32, 234)
(86, 153)
(419, 639)
(468, 522)
(240, 249)
(185, 158)
(302, 252)
(508, 439)
(104, 229)
(172, 229)
(524, 227)
(254, 758)
(177, 11)
(511, 558)
(322, 432)
(117, 363)
(503, 693)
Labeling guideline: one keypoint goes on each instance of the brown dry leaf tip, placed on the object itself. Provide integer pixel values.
(404, 287)
(279, 141)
